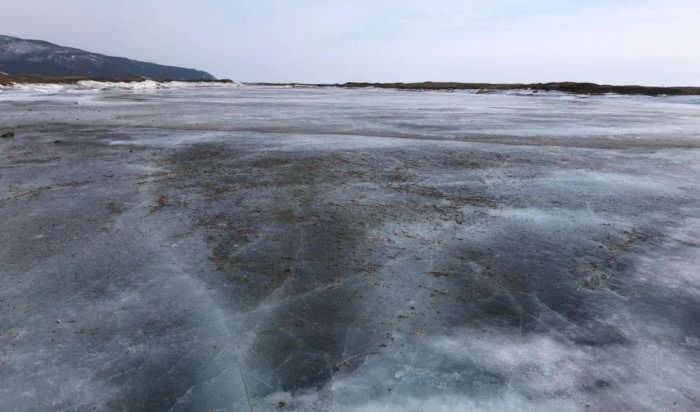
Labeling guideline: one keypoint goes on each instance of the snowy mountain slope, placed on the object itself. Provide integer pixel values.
(35, 57)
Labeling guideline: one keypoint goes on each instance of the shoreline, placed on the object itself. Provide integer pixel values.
(565, 87)
(483, 88)
(9, 80)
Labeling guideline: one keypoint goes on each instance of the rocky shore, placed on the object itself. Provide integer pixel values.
(566, 87)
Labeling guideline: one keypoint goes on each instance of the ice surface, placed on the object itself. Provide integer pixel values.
(254, 248)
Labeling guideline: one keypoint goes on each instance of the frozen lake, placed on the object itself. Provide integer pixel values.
(257, 249)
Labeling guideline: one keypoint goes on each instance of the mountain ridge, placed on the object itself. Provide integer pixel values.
(41, 58)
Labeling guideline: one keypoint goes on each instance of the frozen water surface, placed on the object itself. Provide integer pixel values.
(256, 249)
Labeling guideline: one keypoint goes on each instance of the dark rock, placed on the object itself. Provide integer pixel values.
(8, 135)
(566, 87)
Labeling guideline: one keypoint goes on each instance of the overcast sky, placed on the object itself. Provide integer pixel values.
(653, 42)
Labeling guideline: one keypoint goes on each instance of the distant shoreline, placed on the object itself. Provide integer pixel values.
(566, 87)
(8, 80)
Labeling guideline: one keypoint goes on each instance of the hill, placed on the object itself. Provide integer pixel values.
(40, 58)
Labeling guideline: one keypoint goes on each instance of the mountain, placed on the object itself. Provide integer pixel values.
(40, 58)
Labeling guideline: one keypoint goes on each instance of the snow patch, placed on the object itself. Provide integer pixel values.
(92, 85)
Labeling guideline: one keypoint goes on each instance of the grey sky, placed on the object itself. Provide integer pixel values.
(650, 42)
